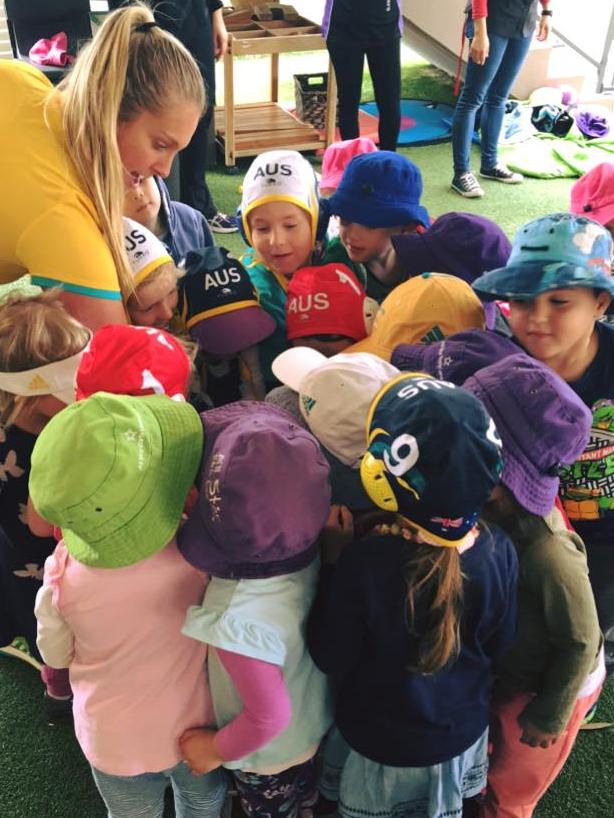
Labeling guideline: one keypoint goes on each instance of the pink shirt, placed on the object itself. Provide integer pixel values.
(138, 682)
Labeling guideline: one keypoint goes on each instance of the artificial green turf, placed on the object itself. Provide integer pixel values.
(44, 774)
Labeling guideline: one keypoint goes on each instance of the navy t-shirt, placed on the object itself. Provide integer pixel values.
(358, 633)
(364, 22)
(587, 487)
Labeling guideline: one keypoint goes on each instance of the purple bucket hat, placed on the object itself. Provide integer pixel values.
(254, 451)
(457, 357)
(460, 244)
(542, 422)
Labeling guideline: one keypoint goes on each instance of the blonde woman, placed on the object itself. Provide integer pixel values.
(68, 155)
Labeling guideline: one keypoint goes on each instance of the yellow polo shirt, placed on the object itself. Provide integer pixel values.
(48, 225)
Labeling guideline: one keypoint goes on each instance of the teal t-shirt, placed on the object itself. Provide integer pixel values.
(266, 619)
(272, 299)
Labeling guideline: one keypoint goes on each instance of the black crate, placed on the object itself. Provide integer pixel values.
(310, 93)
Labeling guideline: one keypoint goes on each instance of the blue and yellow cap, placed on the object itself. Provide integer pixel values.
(433, 456)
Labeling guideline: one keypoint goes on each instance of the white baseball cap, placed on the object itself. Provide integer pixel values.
(335, 395)
(144, 250)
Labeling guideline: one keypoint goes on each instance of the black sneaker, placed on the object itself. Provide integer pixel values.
(467, 185)
(57, 709)
(501, 173)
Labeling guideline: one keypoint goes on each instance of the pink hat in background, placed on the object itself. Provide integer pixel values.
(593, 194)
(337, 157)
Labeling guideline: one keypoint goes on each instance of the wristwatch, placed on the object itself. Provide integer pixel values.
(547, 13)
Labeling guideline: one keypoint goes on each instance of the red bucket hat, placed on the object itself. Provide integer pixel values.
(593, 194)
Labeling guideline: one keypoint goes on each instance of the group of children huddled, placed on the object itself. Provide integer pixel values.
(321, 516)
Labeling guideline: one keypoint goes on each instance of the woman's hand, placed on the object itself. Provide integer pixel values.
(480, 45)
(220, 35)
(337, 534)
(199, 751)
(545, 24)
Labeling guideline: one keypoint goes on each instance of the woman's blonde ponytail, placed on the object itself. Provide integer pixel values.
(121, 72)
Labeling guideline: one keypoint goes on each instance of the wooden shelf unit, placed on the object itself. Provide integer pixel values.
(247, 129)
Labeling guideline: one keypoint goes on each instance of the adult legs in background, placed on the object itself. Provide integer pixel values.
(512, 60)
(348, 62)
(477, 82)
(385, 68)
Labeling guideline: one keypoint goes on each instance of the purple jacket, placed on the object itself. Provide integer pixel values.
(328, 8)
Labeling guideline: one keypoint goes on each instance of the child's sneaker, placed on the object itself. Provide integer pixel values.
(501, 173)
(57, 709)
(467, 185)
(222, 223)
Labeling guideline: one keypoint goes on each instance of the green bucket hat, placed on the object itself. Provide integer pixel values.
(114, 472)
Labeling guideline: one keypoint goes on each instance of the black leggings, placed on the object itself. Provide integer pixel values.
(385, 68)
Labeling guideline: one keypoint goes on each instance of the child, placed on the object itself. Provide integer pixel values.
(559, 284)
(280, 219)
(331, 396)
(553, 672)
(219, 307)
(337, 157)
(137, 361)
(154, 300)
(459, 244)
(379, 195)
(410, 619)
(271, 703)
(180, 227)
(327, 309)
(424, 309)
(114, 473)
(334, 162)
(40, 348)
(593, 195)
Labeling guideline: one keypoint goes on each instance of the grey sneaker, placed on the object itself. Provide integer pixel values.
(501, 173)
(467, 185)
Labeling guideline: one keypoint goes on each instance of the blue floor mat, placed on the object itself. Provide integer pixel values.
(422, 122)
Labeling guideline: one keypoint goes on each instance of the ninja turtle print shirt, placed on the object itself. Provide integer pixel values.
(587, 486)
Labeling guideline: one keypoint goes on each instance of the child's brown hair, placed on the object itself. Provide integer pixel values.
(34, 331)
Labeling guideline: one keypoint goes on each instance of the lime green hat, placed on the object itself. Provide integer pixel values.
(114, 472)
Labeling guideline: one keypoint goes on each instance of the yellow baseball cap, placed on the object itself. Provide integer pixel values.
(426, 308)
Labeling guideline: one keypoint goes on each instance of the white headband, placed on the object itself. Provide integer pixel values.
(57, 379)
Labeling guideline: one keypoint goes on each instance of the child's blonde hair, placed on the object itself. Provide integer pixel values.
(120, 73)
(433, 574)
(34, 331)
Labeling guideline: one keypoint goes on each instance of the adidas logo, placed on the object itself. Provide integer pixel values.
(434, 334)
(38, 382)
(308, 403)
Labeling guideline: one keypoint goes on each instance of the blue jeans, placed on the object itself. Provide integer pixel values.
(142, 796)
(486, 85)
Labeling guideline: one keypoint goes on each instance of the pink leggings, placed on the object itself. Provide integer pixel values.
(519, 775)
(56, 681)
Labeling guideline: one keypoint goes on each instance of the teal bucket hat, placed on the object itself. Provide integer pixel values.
(554, 252)
(113, 473)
